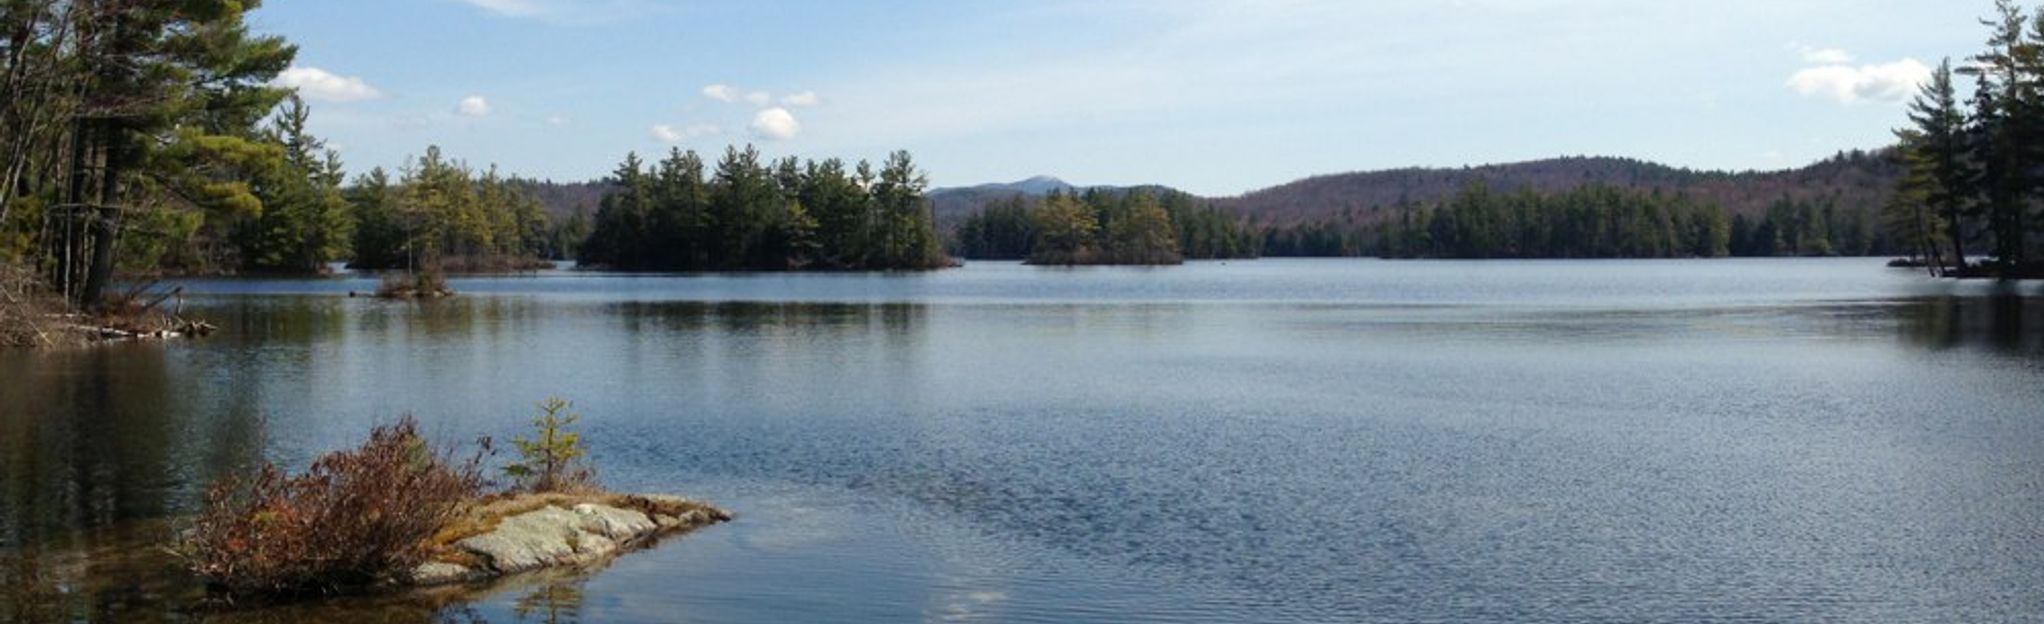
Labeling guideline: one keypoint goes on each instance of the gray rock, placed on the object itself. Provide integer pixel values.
(526, 541)
(617, 524)
(440, 573)
(552, 536)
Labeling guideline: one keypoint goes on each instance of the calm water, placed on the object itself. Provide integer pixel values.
(1273, 441)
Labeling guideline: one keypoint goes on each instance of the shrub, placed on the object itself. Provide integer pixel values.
(413, 285)
(551, 457)
(353, 518)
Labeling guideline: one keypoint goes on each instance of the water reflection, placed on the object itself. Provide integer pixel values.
(552, 601)
(107, 574)
(92, 438)
(2004, 323)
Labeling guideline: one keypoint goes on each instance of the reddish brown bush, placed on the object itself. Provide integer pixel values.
(353, 518)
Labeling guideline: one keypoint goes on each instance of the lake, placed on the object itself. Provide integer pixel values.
(1270, 441)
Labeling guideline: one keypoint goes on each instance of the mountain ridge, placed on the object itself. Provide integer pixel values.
(1853, 179)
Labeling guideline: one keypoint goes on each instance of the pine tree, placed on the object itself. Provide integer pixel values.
(1936, 153)
(167, 94)
(305, 220)
(2001, 129)
(1064, 231)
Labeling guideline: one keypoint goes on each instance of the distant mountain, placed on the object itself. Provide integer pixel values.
(951, 205)
(563, 199)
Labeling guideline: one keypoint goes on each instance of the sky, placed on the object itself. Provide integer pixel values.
(1213, 97)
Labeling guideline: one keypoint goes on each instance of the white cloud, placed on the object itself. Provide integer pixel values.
(558, 120)
(321, 85)
(513, 8)
(1888, 82)
(473, 106)
(761, 99)
(721, 93)
(1826, 56)
(775, 124)
(805, 98)
(670, 134)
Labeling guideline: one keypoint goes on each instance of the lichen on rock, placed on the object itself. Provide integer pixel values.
(541, 531)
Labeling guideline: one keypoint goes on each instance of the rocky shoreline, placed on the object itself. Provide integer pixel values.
(546, 531)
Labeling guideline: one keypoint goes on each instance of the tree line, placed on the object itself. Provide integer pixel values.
(1592, 221)
(748, 214)
(441, 214)
(1975, 168)
(1589, 221)
(1102, 226)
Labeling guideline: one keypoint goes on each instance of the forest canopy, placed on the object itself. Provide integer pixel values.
(748, 214)
(1100, 226)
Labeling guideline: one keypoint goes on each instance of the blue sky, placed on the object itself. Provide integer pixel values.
(1213, 97)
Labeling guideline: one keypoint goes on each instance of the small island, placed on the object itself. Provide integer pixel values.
(399, 512)
(1104, 226)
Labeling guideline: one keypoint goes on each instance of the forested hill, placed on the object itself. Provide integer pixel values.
(1860, 180)
(1853, 180)
(564, 199)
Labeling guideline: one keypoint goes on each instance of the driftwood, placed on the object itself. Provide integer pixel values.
(177, 328)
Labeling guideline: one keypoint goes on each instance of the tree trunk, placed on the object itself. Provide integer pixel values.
(106, 222)
(1958, 239)
(103, 231)
(68, 266)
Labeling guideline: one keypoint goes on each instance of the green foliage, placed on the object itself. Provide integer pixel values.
(440, 214)
(132, 136)
(549, 459)
(1976, 166)
(1140, 232)
(751, 215)
(2004, 135)
(1940, 172)
(304, 220)
(1591, 221)
(1065, 231)
(1104, 227)
(1913, 212)
(1003, 230)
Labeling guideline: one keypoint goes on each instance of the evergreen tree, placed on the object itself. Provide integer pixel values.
(381, 235)
(1064, 231)
(751, 215)
(160, 101)
(305, 220)
(2002, 131)
(1936, 154)
(1142, 233)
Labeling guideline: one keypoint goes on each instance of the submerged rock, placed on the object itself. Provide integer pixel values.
(558, 531)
